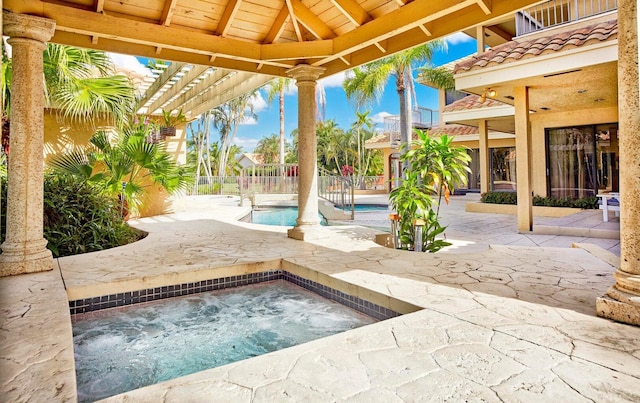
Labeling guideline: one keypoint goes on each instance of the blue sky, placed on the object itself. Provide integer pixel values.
(337, 106)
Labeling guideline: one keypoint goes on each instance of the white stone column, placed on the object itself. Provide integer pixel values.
(307, 223)
(24, 249)
(622, 302)
(485, 166)
(523, 159)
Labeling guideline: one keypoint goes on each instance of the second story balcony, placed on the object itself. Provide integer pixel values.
(557, 12)
(421, 118)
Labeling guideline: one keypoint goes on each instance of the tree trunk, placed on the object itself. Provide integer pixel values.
(405, 119)
(282, 125)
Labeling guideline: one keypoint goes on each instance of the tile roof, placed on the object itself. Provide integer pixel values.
(520, 50)
(471, 102)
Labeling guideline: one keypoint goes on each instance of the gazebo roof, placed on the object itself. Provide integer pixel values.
(220, 49)
(266, 36)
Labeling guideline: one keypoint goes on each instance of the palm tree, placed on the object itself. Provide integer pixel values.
(79, 83)
(121, 168)
(363, 123)
(269, 147)
(367, 83)
(278, 87)
(438, 77)
(226, 119)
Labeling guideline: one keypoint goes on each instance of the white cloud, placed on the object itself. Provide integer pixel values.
(379, 117)
(249, 121)
(258, 102)
(335, 80)
(129, 63)
(458, 37)
(247, 144)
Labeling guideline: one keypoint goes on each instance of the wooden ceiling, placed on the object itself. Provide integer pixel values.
(261, 36)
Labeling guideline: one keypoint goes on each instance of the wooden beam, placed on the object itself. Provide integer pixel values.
(228, 15)
(406, 18)
(381, 45)
(278, 25)
(496, 30)
(485, 5)
(294, 20)
(273, 68)
(353, 11)
(297, 50)
(82, 22)
(424, 29)
(167, 12)
(311, 21)
(409, 35)
(98, 5)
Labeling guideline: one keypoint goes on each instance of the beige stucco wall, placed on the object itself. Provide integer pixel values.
(60, 136)
(549, 120)
(474, 144)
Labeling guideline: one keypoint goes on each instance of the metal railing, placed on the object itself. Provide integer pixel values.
(336, 189)
(558, 12)
(215, 185)
(421, 118)
(277, 179)
(269, 179)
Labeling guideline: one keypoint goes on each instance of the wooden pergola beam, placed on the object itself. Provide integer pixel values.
(179, 85)
(98, 5)
(278, 25)
(311, 21)
(353, 11)
(167, 12)
(228, 15)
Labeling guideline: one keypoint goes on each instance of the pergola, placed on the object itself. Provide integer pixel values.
(302, 39)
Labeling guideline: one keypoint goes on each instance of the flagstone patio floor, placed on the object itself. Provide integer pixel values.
(503, 318)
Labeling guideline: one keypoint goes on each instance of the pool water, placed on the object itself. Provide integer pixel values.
(286, 216)
(118, 350)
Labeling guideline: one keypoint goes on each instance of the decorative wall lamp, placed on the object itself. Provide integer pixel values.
(488, 92)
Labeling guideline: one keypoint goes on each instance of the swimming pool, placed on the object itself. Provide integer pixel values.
(122, 349)
(286, 216)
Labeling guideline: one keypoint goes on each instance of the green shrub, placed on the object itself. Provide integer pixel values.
(499, 198)
(511, 198)
(77, 219)
(586, 203)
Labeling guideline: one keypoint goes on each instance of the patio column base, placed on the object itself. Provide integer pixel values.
(21, 258)
(306, 232)
(621, 303)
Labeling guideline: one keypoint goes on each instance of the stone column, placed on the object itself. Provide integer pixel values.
(485, 167)
(307, 223)
(523, 159)
(622, 302)
(24, 249)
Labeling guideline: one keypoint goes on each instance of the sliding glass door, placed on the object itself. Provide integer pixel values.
(581, 160)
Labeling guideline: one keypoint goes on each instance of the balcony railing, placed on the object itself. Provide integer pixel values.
(421, 118)
(558, 12)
